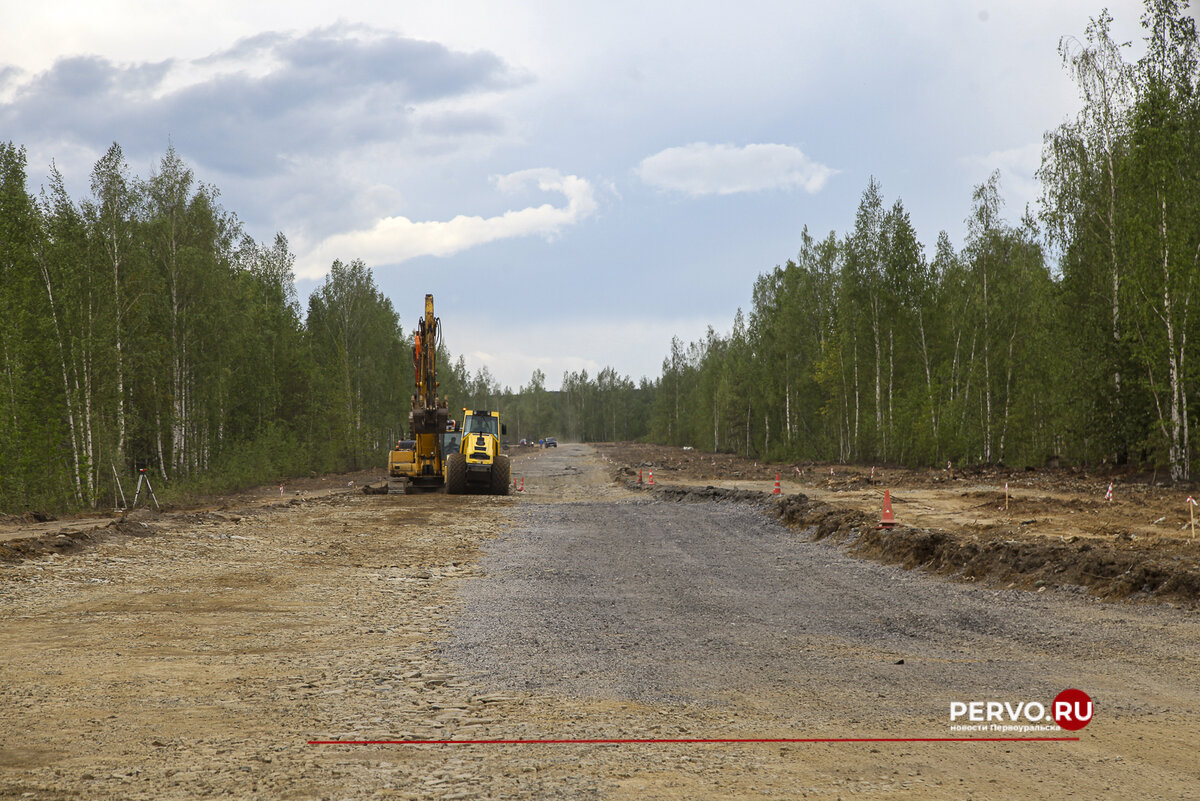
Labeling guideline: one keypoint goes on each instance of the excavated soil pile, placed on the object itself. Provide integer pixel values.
(1107, 569)
(139, 523)
(70, 541)
(680, 494)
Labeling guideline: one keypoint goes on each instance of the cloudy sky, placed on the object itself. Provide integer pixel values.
(575, 182)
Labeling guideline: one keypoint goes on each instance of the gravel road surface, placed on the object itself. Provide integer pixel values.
(717, 606)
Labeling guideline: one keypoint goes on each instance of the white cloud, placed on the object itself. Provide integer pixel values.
(1023, 160)
(1017, 167)
(704, 169)
(395, 239)
(562, 342)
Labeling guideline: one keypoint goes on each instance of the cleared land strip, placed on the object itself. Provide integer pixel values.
(200, 659)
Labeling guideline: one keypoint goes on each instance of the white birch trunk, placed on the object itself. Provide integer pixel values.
(68, 395)
(987, 377)
(928, 376)
(1176, 448)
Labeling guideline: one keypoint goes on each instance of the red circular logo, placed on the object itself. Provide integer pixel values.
(1072, 709)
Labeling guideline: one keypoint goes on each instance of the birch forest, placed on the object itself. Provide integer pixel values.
(142, 329)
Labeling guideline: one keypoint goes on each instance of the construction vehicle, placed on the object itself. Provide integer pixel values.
(417, 463)
(478, 463)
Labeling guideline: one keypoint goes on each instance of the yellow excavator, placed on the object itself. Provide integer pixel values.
(416, 464)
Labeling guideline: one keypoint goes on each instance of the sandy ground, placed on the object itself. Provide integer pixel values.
(1009, 522)
(196, 654)
(35, 523)
(1058, 502)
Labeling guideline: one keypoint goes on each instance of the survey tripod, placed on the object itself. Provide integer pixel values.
(144, 479)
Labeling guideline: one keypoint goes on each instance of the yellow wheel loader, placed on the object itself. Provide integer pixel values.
(478, 464)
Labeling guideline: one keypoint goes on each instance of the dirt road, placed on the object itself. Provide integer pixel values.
(199, 656)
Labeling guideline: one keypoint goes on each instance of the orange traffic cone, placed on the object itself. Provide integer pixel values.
(639, 477)
(777, 490)
(652, 478)
(522, 487)
(887, 519)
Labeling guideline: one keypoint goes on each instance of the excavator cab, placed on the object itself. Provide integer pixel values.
(450, 438)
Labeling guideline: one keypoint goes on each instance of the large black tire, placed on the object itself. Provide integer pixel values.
(501, 476)
(456, 474)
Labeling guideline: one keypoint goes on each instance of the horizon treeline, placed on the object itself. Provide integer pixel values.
(143, 329)
(1068, 334)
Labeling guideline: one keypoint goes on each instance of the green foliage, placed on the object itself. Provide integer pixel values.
(1121, 187)
(361, 382)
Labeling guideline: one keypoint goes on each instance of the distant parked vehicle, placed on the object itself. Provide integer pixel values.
(551, 442)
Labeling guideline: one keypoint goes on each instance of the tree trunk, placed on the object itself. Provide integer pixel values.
(158, 434)
(1007, 393)
(966, 396)
(67, 393)
(1118, 412)
(787, 410)
(891, 391)
(878, 372)
(928, 377)
(987, 377)
(716, 413)
(118, 314)
(88, 428)
(1177, 448)
(747, 431)
(854, 439)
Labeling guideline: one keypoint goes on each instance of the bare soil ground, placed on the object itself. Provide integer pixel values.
(34, 533)
(195, 653)
(1055, 529)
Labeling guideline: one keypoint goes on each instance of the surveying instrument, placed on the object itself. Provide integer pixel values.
(144, 479)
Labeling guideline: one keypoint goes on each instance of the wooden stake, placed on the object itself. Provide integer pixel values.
(119, 487)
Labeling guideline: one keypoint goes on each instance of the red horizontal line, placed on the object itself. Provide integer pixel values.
(707, 740)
